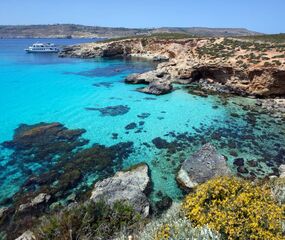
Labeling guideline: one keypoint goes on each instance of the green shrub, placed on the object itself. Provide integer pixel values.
(267, 64)
(87, 221)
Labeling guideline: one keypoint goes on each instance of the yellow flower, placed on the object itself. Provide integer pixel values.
(235, 208)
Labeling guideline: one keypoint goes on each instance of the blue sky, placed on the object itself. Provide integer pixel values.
(266, 16)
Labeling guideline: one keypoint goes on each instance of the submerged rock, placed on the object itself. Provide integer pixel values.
(242, 170)
(239, 162)
(130, 186)
(41, 135)
(111, 110)
(163, 204)
(131, 126)
(143, 115)
(202, 166)
(160, 143)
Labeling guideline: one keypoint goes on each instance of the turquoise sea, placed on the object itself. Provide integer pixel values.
(75, 92)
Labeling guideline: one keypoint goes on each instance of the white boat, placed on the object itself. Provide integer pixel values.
(42, 48)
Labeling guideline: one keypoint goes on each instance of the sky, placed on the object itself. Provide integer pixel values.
(266, 16)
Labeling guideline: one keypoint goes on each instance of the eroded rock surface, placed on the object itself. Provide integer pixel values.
(282, 171)
(223, 64)
(202, 166)
(159, 87)
(130, 186)
(27, 235)
(40, 199)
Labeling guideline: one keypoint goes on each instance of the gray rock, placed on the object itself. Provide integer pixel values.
(127, 186)
(28, 235)
(160, 58)
(281, 171)
(202, 166)
(159, 87)
(42, 198)
(135, 79)
(3, 212)
(143, 78)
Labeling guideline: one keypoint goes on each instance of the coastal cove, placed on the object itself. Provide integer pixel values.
(162, 131)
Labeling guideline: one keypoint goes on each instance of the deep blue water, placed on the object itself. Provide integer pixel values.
(44, 88)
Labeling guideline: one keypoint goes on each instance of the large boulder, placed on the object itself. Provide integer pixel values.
(129, 186)
(159, 87)
(202, 166)
(144, 78)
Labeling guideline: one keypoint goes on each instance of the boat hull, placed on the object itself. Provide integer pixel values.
(42, 51)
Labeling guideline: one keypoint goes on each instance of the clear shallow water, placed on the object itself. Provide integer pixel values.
(45, 88)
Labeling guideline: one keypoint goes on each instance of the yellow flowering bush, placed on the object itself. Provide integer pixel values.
(235, 208)
(163, 232)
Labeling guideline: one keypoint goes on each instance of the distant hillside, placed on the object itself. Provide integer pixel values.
(80, 31)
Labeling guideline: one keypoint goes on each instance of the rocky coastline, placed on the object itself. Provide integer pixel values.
(132, 186)
(217, 65)
(66, 161)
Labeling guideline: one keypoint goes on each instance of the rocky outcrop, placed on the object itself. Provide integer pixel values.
(3, 212)
(142, 78)
(195, 60)
(281, 171)
(202, 166)
(27, 235)
(159, 87)
(267, 82)
(159, 82)
(129, 47)
(263, 82)
(39, 200)
(130, 186)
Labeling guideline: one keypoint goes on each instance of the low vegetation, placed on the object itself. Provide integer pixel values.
(273, 38)
(88, 221)
(159, 36)
(242, 52)
(236, 209)
(174, 225)
(222, 208)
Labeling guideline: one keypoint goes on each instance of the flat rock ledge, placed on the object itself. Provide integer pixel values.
(202, 166)
(129, 186)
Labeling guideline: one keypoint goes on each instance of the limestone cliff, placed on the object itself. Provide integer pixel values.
(219, 64)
